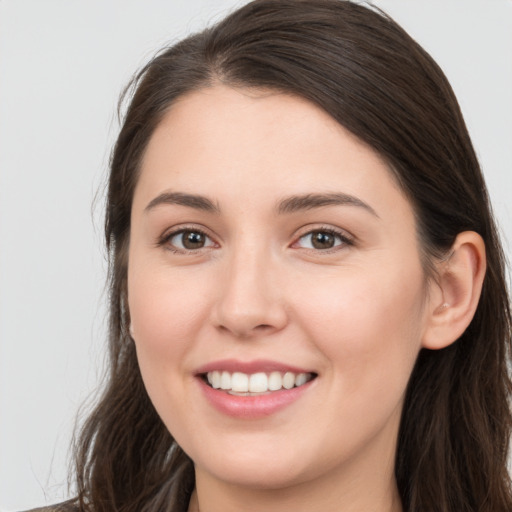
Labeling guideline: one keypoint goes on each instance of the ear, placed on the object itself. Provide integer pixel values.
(454, 295)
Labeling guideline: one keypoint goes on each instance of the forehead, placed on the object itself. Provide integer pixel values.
(228, 142)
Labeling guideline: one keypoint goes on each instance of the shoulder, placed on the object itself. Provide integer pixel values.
(67, 506)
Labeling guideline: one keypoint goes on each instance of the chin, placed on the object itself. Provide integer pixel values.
(267, 477)
(254, 470)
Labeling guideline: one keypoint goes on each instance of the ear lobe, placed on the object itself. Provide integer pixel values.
(453, 302)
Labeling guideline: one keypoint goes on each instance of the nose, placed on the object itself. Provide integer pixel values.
(250, 301)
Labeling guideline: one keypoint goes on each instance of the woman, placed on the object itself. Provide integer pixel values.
(308, 304)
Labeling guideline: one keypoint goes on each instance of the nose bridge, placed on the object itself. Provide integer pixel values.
(250, 300)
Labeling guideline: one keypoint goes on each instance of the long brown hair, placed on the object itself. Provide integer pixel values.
(365, 71)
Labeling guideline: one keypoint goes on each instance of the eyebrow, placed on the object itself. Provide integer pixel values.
(191, 200)
(289, 205)
(310, 201)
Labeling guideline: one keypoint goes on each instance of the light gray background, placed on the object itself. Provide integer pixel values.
(62, 66)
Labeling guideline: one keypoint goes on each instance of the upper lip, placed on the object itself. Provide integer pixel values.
(250, 367)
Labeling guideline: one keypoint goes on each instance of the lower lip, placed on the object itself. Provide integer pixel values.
(252, 407)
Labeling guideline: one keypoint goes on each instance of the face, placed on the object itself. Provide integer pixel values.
(272, 254)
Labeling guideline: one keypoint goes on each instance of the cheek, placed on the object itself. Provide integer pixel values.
(369, 326)
(167, 312)
(165, 307)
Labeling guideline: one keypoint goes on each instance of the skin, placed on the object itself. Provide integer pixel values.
(356, 314)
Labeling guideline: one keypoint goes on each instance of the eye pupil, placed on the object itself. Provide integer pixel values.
(193, 240)
(322, 240)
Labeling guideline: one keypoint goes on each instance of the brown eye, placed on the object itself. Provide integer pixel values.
(322, 239)
(190, 240)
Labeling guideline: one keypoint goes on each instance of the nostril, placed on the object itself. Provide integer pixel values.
(243, 332)
(263, 327)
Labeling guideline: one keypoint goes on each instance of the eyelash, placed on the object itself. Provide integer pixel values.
(338, 234)
(167, 237)
(342, 236)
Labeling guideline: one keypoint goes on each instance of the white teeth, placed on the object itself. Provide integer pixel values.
(240, 382)
(260, 382)
(225, 380)
(275, 381)
(288, 380)
(214, 379)
(301, 379)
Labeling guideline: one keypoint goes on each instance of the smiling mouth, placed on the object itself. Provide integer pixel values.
(261, 383)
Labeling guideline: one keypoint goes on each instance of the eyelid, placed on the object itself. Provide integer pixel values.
(346, 238)
(164, 239)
